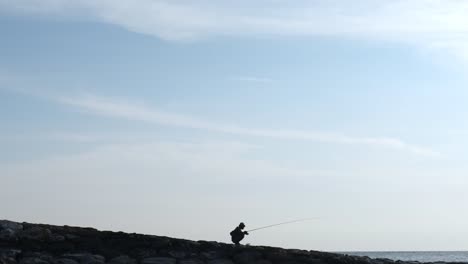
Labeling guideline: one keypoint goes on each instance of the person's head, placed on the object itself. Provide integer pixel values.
(241, 225)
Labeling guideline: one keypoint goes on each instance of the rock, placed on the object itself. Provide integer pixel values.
(5, 224)
(141, 253)
(221, 261)
(123, 260)
(33, 260)
(71, 236)
(57, 238)
(262, 261)
(277, 256)
(299, 252)
(320, 261)
(44, 244)
(86, 258)
(208, 245)
(9, 230)
(160, 243)
(8, 256)
(192, 244)
(247, 257)
(65, 261)
(158, 260)
(177, 254)
(386, 260)
(7, 260)
(36, 233)
(210, 255)
(8, 235)
(10, 253)
(39, 256)
(190, 261)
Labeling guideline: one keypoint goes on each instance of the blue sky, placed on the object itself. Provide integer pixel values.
(182, 119)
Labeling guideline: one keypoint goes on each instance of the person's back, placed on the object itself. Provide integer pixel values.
(237, 234)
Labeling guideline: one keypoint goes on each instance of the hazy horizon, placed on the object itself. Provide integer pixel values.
(183, 118)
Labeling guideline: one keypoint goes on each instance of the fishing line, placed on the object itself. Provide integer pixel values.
(283, 223)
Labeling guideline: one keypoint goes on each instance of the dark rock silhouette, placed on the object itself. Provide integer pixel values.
(46, 244)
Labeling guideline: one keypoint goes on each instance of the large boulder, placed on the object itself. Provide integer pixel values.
(190, 261)
(36, 233)
(9, 252)
(247, 257)
(9, 230)
(9, 256)
(7, 260)
(177, 254)
(65, 261)
(161, 242)
(277, 256)
(36, 257)
(86, 258)
(262, 261)
(159, 260)
(8, 235)
(122, 260)
(5, 224)
(57, 238)
(143, 253)
(221, 261)
(211, 255)
(33, 260)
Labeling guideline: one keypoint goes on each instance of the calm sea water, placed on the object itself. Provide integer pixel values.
(421, 256)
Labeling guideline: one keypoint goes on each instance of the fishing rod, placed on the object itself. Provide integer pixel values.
(283, 223)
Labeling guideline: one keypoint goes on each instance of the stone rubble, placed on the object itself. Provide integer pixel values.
(25, 243)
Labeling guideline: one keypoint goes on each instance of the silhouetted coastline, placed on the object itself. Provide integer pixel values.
(26, 243)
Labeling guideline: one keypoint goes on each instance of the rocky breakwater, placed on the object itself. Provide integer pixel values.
(25, 243)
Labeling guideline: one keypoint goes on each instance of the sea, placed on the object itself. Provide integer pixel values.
(421, 256)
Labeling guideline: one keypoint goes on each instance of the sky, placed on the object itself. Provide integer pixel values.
(183, 118)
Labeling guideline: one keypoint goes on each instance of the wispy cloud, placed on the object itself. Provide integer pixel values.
(54, 136)
(139, 112)
(430, 24)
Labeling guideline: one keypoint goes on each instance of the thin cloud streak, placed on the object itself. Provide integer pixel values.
(428, 24)
(137, 112)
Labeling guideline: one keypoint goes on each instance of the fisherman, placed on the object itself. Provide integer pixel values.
(237, 234)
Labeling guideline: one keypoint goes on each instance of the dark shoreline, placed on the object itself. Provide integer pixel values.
(26, 243)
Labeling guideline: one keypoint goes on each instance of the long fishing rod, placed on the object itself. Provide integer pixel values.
(283, 223)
